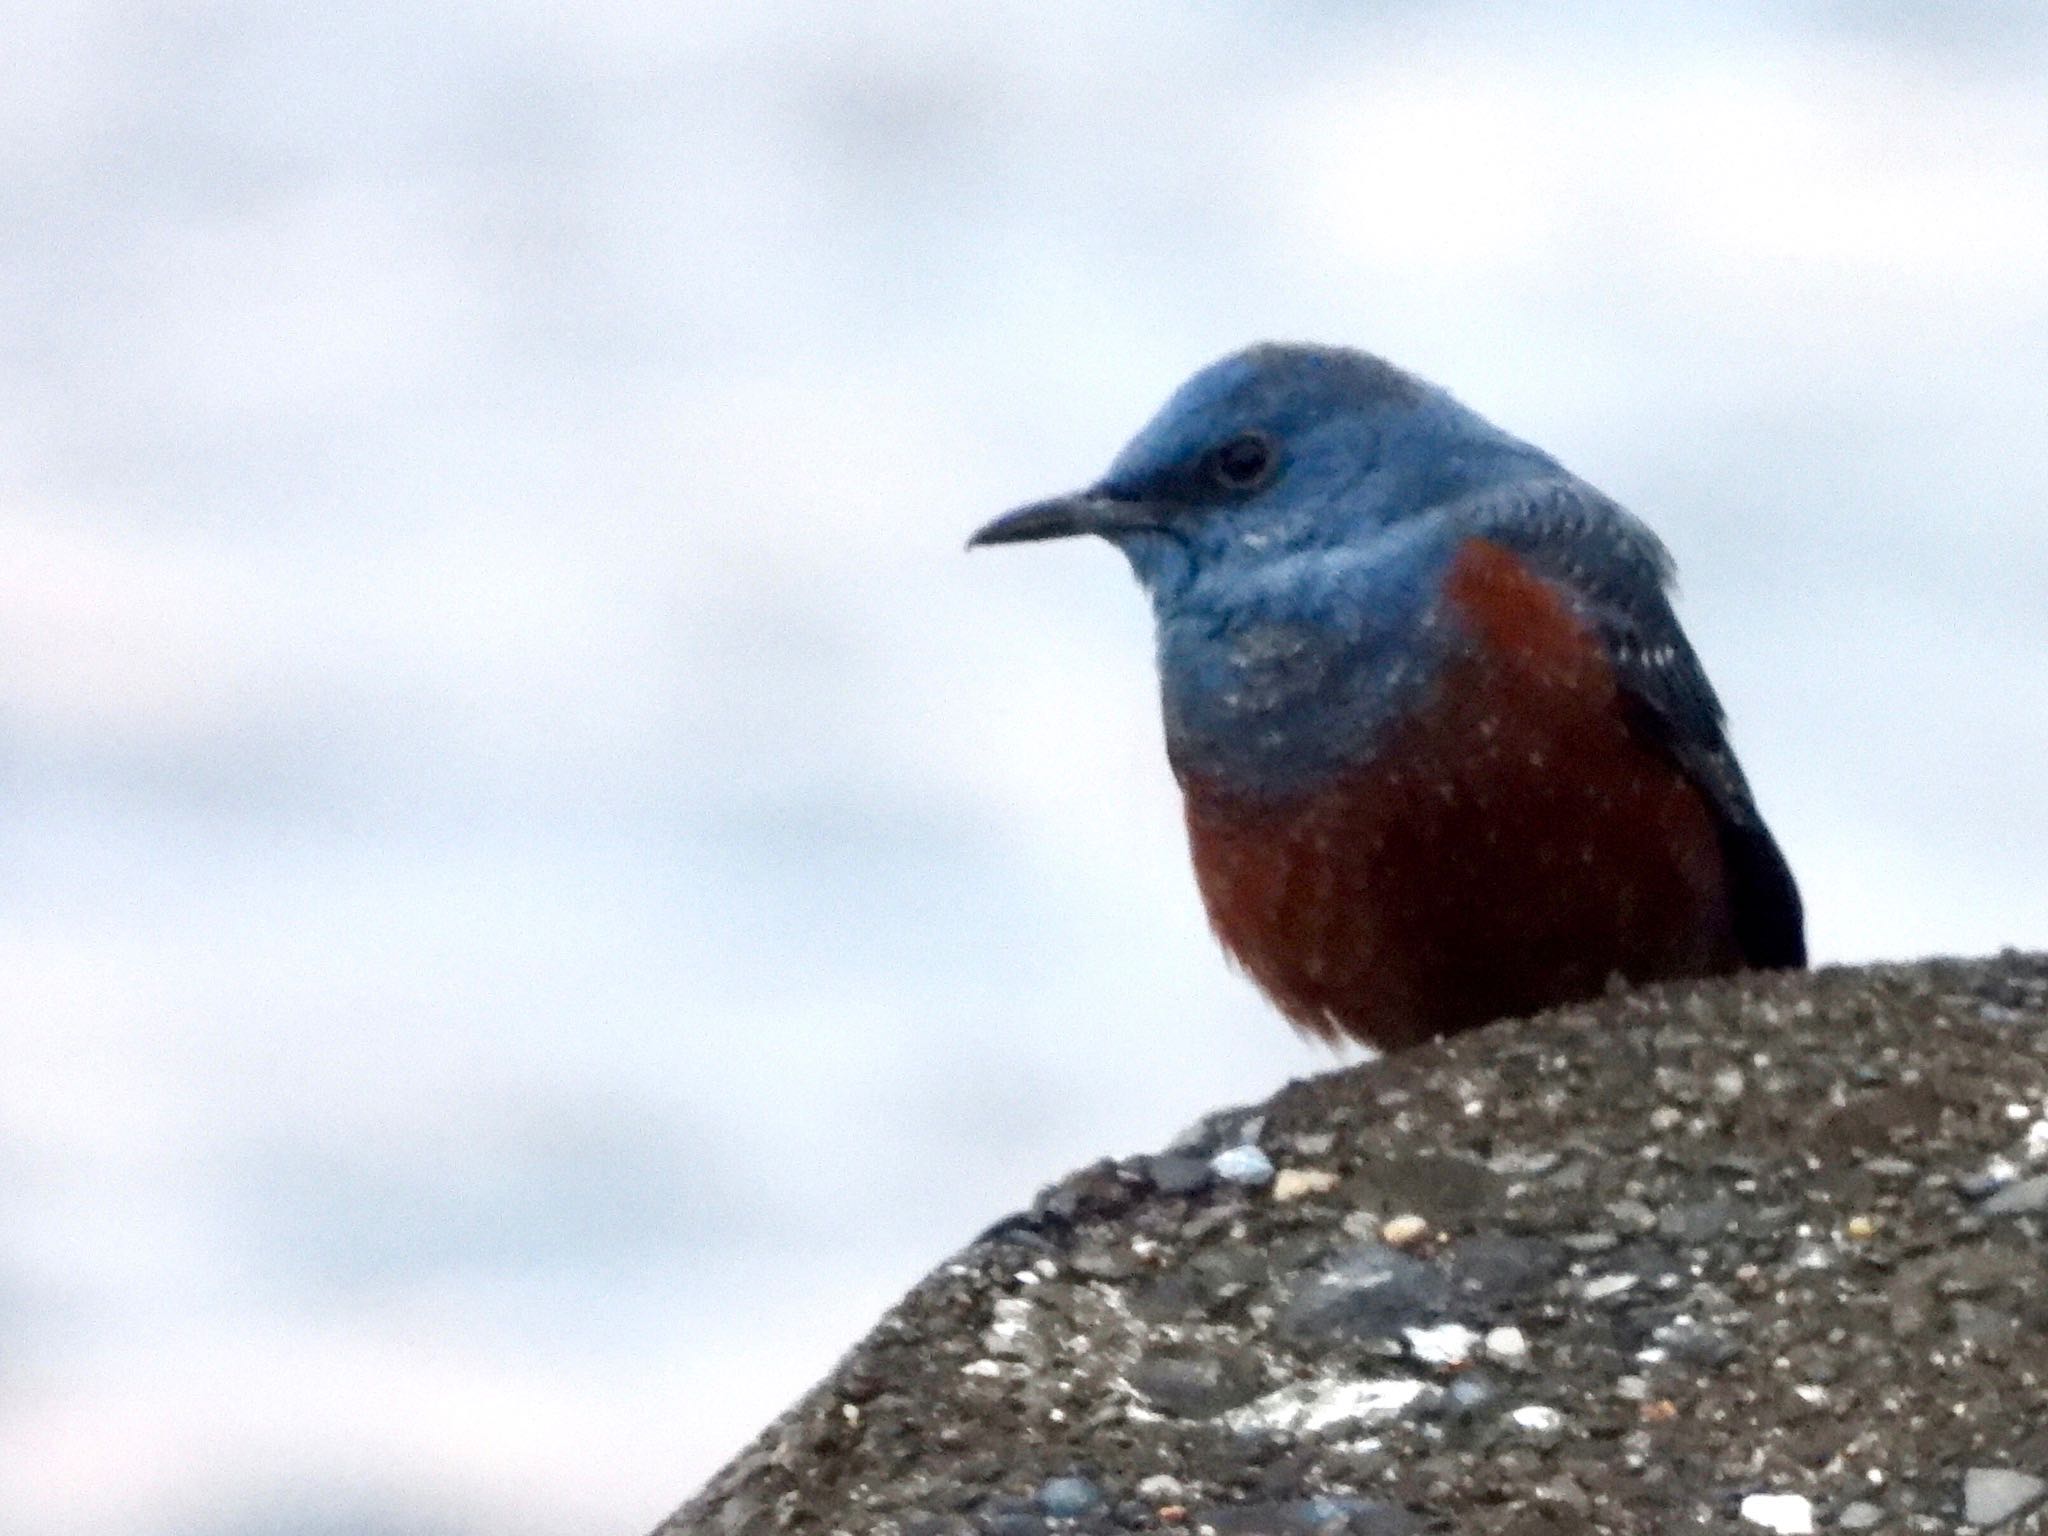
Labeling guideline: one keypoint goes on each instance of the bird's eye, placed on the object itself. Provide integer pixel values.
(1242, 462)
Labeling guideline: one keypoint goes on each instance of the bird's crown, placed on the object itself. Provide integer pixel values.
(1276, 451)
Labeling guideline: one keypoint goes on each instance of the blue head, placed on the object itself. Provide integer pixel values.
(1280, 512)
(1274, 453)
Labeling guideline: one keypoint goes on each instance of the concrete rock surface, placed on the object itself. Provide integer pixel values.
(1727, 1257)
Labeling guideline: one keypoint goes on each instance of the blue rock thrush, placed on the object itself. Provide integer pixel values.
(1446, 754)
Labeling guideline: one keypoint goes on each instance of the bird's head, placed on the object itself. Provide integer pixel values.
(1271, 453)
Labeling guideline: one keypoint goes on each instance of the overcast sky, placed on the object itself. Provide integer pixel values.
(539, 888)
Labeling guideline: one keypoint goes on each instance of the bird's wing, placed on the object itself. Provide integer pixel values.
(1619, 575)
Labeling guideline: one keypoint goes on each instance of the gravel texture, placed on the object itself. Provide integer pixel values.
(1766, 1254)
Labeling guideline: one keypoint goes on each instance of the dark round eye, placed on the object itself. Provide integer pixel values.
(1242, 462)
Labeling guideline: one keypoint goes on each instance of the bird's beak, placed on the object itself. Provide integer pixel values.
(1064, 516)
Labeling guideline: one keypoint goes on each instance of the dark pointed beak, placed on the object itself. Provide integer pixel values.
(1064, 516)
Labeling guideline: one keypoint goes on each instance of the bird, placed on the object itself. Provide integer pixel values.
(1445, 753)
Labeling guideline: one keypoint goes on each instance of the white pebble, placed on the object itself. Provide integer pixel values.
(1507, 1344)
(1993, 1494)
(1445, 1344)
(1400, 1231)
(1791, 1514)
(1242, 1165)
(1160, 1488)
(1294, 1183)
(1329, 1404)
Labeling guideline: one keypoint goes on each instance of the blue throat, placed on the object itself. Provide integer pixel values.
(1275, 684)
(1298, 591)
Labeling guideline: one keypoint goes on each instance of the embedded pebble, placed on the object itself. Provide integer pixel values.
(1523, 1163)
(1492, 1271)
(1160, 1488)
(1069, 1498)
(1859, 1516)
(1008, 1333)
(1221, 1128)
(1444, 1344)
(1196, 1386)
(1002, 1519)
(1370, 1290)
(1172, 1173)
(1319, 1516)
(1700, 1221)
(1298, 1183)
(1244, 1164)
(1468, 1394)
(1813, 1256)
(1507, 1345)
(1988, 1180)
(1403, 1230)
(1603, 1286)
(1992, 1494)
(2026, 1197)
(1697, 1344)
(1790, 1514)
(1330, 1403)
(1348, 1512)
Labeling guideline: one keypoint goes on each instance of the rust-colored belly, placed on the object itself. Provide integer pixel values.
(1506, 850)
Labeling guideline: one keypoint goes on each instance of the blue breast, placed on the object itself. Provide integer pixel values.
(1277, 677)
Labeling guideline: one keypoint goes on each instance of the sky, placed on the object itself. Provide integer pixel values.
(539, 886)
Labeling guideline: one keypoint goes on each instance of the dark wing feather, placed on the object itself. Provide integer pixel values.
(1620, 575)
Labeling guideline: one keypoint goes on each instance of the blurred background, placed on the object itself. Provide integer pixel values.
(539, 887)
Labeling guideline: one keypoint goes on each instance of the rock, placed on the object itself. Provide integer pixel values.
(1599, 1326)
